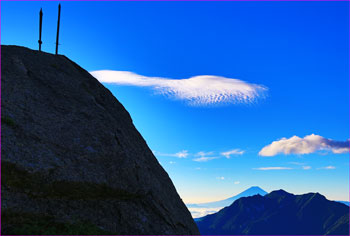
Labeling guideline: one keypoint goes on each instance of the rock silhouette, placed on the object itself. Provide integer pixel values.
(72, 160)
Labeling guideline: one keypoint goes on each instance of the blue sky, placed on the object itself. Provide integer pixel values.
(293, 56)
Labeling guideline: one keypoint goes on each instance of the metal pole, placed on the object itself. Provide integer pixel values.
(40, 27)
(58, 26)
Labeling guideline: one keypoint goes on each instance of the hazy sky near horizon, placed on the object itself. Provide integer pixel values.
(227, 95)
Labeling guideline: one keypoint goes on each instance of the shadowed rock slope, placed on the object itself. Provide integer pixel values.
(279, 213)
(72, 160)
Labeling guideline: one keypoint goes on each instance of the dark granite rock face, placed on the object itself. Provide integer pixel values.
(70, 154)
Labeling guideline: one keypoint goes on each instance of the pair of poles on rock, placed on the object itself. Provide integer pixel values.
(58, 27)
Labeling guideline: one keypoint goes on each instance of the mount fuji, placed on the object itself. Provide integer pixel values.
(202, 209)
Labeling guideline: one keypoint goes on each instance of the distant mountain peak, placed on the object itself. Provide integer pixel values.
(280, 192)
(255, 188)
(252, 191)
(318, 196)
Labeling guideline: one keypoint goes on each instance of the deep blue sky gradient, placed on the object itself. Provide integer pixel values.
(298, 50)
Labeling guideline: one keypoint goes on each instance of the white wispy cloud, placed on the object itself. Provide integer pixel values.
(204, 156)
(273, 168)
(296, 163)
(228, 154)
(201, 156)
(221, 178)
(172, 162)
(181, 154)
(327, 168)
(204, 159)
(303, 165)
(197, 91)
(236, 182)
(308, 144)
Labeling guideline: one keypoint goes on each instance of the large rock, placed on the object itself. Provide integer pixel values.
(72, 160)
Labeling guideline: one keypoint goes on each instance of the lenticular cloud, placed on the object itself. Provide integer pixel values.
(197, 90)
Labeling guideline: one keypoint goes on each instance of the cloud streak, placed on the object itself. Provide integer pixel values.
(204, 159)
(201, 156)
(204, 156)
(273, 168)
(181, 154)
(306, 167)
(308, 144)
(327, 168)
(232, 152)
(199, 90)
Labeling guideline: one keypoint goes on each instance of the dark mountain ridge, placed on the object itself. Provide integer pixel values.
(72, 160)
(279, 212)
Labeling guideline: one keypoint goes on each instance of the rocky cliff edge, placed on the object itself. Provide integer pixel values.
(72, 160)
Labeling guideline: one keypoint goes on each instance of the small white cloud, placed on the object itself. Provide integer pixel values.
(198, 168)
(221, 178)
(306, 167)
(204, 159)
(172, 162)
(236, 182)
(232, 152)
(197, 91)
(296, 163)
(202, 154)
(181, 154)
(273, 168)
(327, 168)
(308, 144)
